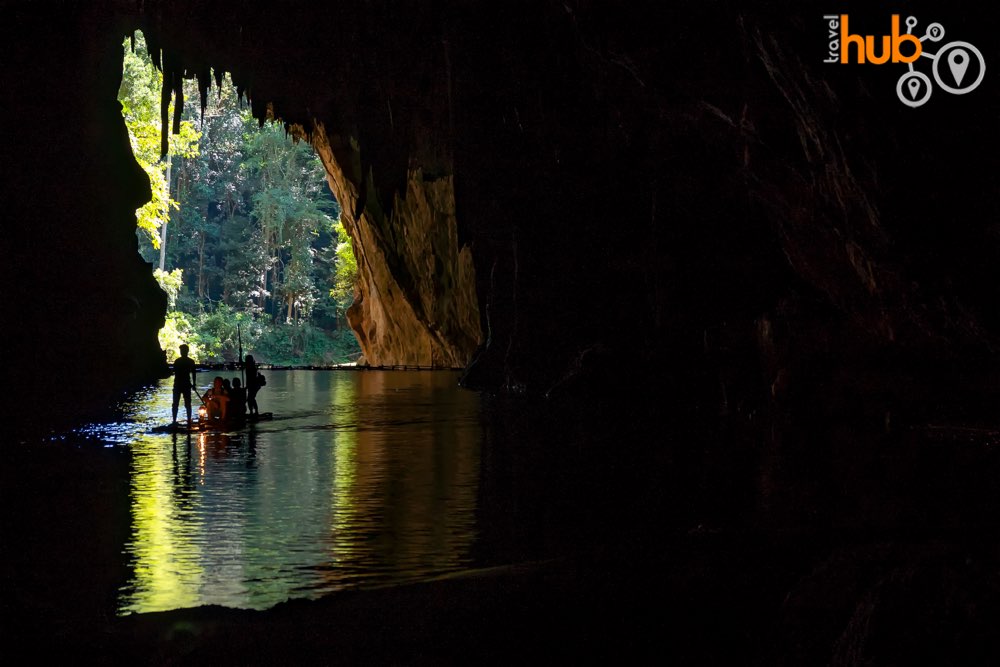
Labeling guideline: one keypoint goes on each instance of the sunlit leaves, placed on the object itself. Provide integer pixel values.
(346, 272)
(150, 215)
(170, 282)
(253, 228)
(290, 212)
(178, 330)
(139, 96)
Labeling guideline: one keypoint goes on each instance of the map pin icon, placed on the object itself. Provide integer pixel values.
(958, 62)
(914, 87)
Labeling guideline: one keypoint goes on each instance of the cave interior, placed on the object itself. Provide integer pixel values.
(656, 213)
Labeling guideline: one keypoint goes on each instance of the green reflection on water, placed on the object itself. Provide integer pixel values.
(362, 479)
(168, 573)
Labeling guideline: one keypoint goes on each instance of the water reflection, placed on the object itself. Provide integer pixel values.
(362, 479)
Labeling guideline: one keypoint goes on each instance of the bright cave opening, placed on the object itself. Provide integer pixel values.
(242, 231)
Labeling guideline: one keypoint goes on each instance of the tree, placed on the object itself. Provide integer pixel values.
(290, 205)
(170, 283)
(255, 236)
(139, 96)
(344, 276)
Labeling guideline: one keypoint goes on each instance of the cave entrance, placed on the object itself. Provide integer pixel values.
(242, 230)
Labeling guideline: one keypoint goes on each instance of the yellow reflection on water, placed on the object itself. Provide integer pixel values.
(344, 472)
(361, 479)
(403, 500)
(167, 574)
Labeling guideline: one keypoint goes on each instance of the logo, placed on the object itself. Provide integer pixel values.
(957, 67)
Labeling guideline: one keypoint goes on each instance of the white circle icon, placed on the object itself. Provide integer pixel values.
(935, 32)
(914, 88)
(957, 56)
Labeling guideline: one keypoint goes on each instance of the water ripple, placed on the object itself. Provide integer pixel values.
(361, 479)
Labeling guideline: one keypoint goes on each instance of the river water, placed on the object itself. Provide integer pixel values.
(368, 479)
(361, 479)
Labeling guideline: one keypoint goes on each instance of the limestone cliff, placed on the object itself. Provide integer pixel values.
(379, 116)
(415, 302)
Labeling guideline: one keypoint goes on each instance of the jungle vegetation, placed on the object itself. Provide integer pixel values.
(242, 229)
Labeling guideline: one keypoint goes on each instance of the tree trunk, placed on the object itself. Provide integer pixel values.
(201, 266)
(274, 288)
(163, 225)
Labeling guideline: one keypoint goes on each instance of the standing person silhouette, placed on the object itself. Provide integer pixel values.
(185, 377)
(252, 385)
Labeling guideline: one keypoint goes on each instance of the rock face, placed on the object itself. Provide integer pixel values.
(83, 309)
(416, 299)
(565, 185)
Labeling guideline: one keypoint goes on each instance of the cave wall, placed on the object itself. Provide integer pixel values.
(415, 302)
(82, 309)
(378, 118)
(687, 191)
(711, 208)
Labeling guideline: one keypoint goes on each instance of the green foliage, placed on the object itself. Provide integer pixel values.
(218, 336)
(255, 236)
(290, 206)
(345, 275)
(139, 96)
(170, 282)
(214, 338)
(178, 330)
(150, 216)
(303, 343)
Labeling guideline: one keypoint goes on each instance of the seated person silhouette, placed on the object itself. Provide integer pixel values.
(237, 400)
(217, 400)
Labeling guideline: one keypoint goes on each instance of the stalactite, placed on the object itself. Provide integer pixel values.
(379, 111)
(204, 82)
(165, 90)
(153, 47)
(178, 81)
(259, 109)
